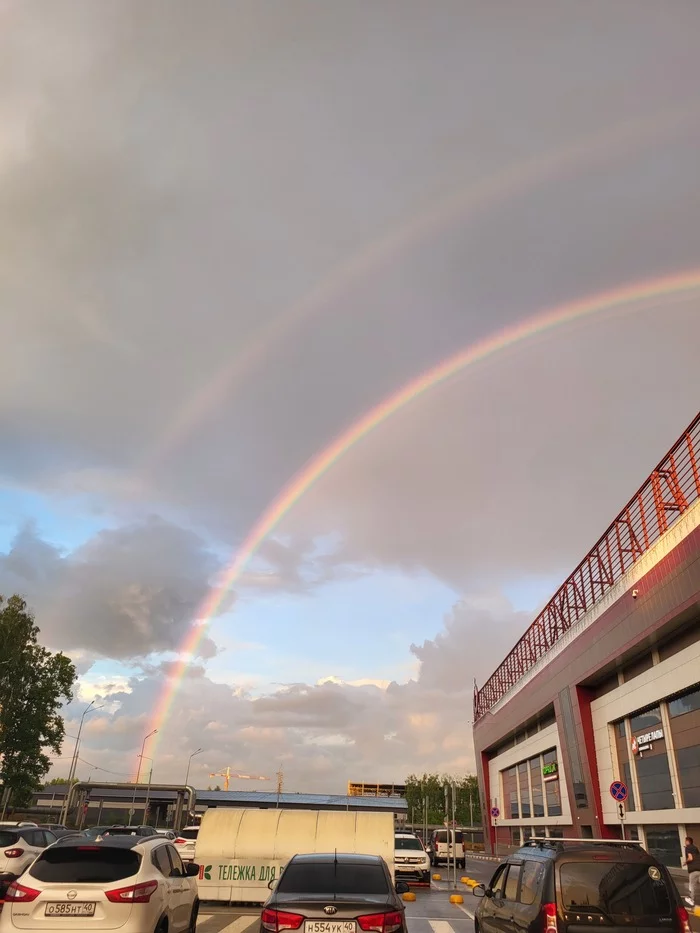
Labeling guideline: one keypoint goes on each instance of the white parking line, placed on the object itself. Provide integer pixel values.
(240, 924)
(467, 912)
(441, 926)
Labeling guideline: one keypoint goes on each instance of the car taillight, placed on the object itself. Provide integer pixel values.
(20, 893)
(13, 853)
(381, 923)
(682, 920)
(135, 894)
(180, 842)
(549, 912)
(276, 920)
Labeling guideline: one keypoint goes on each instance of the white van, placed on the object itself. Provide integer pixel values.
(242, 852)
(444, 849)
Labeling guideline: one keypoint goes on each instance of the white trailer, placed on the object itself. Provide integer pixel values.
(239, 851)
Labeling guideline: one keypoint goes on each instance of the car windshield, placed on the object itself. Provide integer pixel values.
(615, 888)
(332, 878)
(408, 844)
(7, 838)
(85, 865)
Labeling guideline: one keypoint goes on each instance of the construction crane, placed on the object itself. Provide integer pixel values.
(227, 774)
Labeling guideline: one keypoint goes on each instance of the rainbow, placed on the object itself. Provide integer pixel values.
(465, 202)
(683, 284)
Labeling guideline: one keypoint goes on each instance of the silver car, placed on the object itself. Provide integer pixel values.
(335, 893)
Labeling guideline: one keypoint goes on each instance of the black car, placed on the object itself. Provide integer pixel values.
(336, 893)
(568, 885)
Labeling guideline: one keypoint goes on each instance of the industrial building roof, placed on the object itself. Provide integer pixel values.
(245, 798)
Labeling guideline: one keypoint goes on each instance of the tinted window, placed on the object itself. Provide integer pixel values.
(333, 878)
(645, 721)
(176, 862)
(85, 865)
(407, 844)
(530, 882)
(441, 836)
(512, 879)
(161, 861)
(188, 834)
(7, 838)
(615, 888)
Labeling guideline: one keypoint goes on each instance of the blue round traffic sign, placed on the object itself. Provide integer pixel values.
(495, 812)
(618, 791)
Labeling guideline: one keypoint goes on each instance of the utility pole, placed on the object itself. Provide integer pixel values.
(138, 775)
(74, 762)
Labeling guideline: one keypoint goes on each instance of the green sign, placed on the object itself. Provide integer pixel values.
(549, 769)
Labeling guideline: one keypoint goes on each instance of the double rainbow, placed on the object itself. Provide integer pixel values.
(633, 296)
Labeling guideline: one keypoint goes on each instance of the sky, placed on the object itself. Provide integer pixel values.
(228, 232)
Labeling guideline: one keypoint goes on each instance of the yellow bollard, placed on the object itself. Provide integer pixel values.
(409, 896)
(437, 877)
(465, 880)
(456, 899)
(696, 911)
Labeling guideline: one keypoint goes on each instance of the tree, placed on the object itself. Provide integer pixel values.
(431, 787)
(34, 683)
(60, 780)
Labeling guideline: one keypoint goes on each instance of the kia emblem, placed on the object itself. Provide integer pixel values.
(330, 909)
(71, 895)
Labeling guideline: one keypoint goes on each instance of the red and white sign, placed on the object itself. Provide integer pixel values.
(635, 747)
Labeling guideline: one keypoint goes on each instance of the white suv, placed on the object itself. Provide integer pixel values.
(20, 843)
(185, 842)
(411, 861)
(136, 884)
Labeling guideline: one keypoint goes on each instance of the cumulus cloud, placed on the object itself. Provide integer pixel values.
(322, 734)
(125, 593)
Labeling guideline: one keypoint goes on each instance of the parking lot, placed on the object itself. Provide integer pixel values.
(431, 912)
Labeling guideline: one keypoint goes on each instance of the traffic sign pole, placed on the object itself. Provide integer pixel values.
(619, 793)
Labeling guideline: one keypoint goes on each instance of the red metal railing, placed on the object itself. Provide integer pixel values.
(670, 490)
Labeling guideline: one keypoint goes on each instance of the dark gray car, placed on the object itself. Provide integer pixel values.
(335, 893)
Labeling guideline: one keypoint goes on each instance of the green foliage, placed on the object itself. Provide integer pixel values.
(34, 683)
(431, 787)
(61, 780)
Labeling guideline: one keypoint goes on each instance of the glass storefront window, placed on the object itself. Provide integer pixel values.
(510, 794)
(553, 794)
(654, 780)
(665, 845)
(536, 783)
(524, 790)
(688, 703)
(689, 774)
(644, 722)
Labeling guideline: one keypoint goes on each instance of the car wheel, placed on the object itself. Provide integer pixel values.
(193, 918)
(162, 926)
(426, 877)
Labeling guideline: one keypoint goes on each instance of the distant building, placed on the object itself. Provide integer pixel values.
(376, 790)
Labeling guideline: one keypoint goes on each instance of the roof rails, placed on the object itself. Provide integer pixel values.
(540, 841)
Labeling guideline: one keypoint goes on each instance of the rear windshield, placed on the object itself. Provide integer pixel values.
(188, 834)
(80, 865)
(408, 844)
(7, 838)
(333, 878)
(441, 836)
(122, 831)
(615, 888)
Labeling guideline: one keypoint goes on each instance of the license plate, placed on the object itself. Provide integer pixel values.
(329, 926)
(79, 909)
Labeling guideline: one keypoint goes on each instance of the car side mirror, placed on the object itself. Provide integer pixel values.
(402, 887)
(191, 870)
(479, 890)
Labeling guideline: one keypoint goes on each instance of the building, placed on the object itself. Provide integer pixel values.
(361, 789)
(604, 686)
(112, 803)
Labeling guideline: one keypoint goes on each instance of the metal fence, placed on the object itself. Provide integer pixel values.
(669, 491)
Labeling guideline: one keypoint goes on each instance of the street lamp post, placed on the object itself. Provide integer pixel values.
(74, 763)
(138, 775)
(189, 762)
